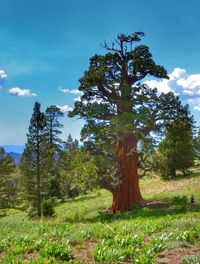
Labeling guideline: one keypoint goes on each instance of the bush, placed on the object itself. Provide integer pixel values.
(180, 202)
(48, 208)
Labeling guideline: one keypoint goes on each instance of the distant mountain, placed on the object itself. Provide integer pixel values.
(16, 156)
(14, 148)
(15, 151)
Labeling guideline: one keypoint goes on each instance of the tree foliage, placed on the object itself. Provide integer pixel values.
(34, 161)
(176, 150)
(53, 148)
(120, 110)
(8, 181)
(78, 169)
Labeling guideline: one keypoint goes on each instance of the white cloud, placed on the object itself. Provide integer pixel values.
(191, 81)
(181, 83)
(65, 108)
(197, 107)
(68, 91)
(194, 100)
(77, 99)
(21, 92)
(3, 77)
(177, 74)
(162, 85)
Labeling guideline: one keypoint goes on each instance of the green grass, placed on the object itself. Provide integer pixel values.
(82, 232)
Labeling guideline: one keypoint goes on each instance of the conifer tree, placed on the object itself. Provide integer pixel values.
(7, 182)
(53, 126)
(54, 147)
(176, 150)
(120, 110)
(70, 144)
(34, 161)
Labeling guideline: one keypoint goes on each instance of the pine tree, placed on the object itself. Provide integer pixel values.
(79, 170)
(176, 150)
(53, 126)
(54, 147)
(70, 144)
(34, 161)
(8, 184)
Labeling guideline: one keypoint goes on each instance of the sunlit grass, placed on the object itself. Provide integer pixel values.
(83, 225)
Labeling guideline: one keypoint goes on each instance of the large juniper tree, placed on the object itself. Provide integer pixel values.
(120, 111)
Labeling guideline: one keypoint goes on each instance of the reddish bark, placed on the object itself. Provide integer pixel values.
(128, 192)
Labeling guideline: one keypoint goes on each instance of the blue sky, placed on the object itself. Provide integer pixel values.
(45, 47)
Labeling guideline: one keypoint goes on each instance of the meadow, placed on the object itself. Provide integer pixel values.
(166, 230)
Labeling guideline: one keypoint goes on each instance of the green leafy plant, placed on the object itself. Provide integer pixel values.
(59, 250)
(195, 259)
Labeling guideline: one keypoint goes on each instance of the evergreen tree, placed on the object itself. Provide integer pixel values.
(8, 184)
(54, 146)
(197, 145)
(120, 110)
(34, 161)
(79, 172)
(53, 126)
(176, 150)
(70, 144)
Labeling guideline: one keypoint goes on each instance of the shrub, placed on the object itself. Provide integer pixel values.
(48, 208)
(180, 202)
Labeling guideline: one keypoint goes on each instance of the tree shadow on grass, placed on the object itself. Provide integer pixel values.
(153, 209)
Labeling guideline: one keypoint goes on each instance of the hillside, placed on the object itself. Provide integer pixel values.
(166, 230)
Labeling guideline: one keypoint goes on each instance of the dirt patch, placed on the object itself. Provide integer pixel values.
(32, 255)
(156, 204)
(176, 256)
(2, 255)
(85, 251)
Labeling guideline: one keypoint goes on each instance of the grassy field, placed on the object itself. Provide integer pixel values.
(167, 230)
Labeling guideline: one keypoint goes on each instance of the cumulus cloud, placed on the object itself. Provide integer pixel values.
(77, 99)
(65, 108)
(195, 101)
(21, 92)
(68, 91)
(197, 107)
(3, 77)
(181, 83)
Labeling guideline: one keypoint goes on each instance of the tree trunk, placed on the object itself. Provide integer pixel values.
(128, 192)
